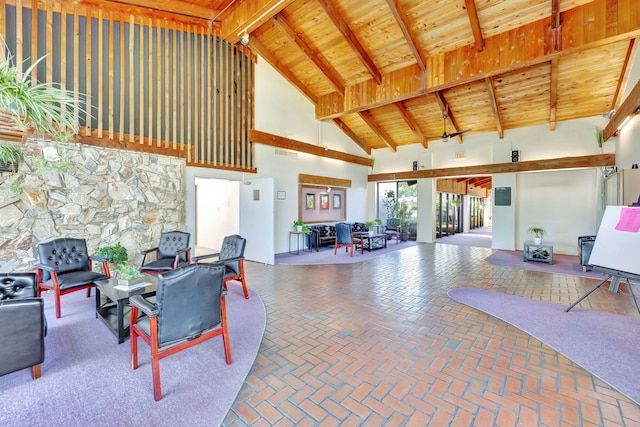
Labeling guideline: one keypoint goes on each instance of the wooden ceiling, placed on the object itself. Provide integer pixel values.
(386, 71)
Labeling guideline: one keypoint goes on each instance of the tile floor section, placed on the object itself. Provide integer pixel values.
(380, 343)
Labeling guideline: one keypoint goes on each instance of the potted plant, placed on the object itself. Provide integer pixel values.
(128, 274)
(10, 158)
(372, 226)
(599, 137)
(46, 109)
(114, 254)
(301, 227)
(538, 233)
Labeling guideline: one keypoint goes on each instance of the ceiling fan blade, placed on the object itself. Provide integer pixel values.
(458, 133)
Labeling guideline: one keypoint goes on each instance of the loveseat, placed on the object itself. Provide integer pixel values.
(325, 234)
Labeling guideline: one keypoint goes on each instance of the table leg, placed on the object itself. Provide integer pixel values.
(120, 317)
(97, 301)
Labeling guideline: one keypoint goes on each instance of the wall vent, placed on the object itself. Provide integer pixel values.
(287, 153)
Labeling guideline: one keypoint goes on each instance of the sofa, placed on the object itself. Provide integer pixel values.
(22, 324)
(325, 234)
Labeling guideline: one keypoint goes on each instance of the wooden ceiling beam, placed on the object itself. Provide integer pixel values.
(351, 134)
(377, 129)
(624, 73)
(475, 24)
(628, 108)
(256, 46)
(495, 107)
(412, 123)
(446, 111)
(409, 36)
(351, 39)
(307, 51)
(512, 167)
(553, 94)
(145, 9)
(176, 7)
(246, 16)
(459, 67)
(259, 137)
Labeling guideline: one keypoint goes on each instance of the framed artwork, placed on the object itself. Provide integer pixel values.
(337, 201)
(310, 201)
(282, 195)
(324, 201)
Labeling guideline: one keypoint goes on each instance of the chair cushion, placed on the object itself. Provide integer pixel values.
(77, 278)
(163, 264)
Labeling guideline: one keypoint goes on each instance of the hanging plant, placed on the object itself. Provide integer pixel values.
(599, 136)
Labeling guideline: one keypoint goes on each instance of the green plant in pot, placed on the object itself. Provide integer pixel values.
(46, 109)
(115, 254)
(537, 233)
(128, 274)
(372, 226)
(301, 227)
(10, 157)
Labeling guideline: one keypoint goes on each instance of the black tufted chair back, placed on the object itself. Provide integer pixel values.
(172, 242)
(67, 255)
(18, 285)
(233, 247)
(188, 301)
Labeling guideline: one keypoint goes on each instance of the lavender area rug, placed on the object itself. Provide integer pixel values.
(562, 264)
(326, 256)
(87, 377)
(604, 344)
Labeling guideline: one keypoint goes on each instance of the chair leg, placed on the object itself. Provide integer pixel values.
(242, 280)
(225, 332)
(56, 297)
(36, 371)
(133, 337)
(155, 359)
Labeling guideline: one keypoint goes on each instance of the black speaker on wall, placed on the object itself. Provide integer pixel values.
(515, 155)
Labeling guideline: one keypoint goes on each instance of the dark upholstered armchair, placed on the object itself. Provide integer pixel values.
(346, 238)
(392, 229)
(65, 267)
(22, 324)
(189, 309)
(232, 255)
(172, 251)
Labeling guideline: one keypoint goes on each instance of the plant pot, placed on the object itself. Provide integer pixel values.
(537, 240)
(371, 233)
(299, 228)
(130, 282)
(404, 236)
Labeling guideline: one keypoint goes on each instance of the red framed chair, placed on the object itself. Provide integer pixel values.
(232, 255)
(189, 308)
(347, 239)
(66, 267)
(172, 251)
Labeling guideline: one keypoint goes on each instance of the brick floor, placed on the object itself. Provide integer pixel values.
(380, 343)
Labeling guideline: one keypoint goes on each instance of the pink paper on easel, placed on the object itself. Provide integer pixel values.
(629, 220)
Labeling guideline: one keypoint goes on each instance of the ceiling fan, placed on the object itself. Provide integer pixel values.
(445, 136)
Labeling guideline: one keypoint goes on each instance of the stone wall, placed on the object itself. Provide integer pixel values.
(106, 196)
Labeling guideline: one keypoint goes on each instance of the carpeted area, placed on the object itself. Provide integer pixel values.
(562, 264)
(583, 336)
(325, 255)
(87, 377)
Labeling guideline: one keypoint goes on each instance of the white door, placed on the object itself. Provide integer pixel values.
(257, 219)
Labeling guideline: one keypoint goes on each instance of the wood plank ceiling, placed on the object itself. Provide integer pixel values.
(386, 71)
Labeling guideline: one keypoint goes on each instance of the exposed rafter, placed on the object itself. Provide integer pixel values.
(351, 134)
(351, 39)
(624, 73)
(495, 107)
(412, 123)
(553, 94)
(377, 129)
(475, 24)
(628, 107)
(311, 54)
(400, 18)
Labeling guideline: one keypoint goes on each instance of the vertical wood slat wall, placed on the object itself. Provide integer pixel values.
(150, 82)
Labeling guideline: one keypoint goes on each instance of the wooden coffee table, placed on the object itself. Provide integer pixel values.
(115, 311)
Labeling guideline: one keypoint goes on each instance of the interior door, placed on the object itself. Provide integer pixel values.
(257, 219)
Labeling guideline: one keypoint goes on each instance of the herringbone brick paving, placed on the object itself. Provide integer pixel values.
(380, 343)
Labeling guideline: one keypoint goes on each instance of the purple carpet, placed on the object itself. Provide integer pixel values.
(87, 377)
(326, 256)
(562, 264)
(604, 344)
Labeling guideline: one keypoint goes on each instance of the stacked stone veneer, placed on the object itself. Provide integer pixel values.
(110, 196)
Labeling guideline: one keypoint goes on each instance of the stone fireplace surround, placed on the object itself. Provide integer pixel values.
(110, 196)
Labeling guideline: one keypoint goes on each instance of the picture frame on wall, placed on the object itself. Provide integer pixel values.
(324, 201)
(310, 201)
(337, 201)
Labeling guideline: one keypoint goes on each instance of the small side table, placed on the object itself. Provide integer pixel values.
(542, 252)
(298, 235)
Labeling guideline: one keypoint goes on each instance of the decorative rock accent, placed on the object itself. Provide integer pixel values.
(111, 196)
